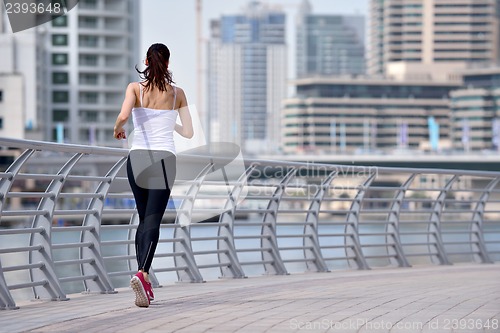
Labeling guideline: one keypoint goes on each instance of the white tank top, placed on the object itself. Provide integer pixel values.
(153, 128)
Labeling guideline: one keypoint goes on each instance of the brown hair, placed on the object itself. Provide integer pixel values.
(157, 73)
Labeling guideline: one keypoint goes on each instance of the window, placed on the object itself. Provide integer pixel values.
(59, 40)
(87, 22)
(1, 95)
(60, 115)
(110, 116)
(59, 59)
(1, 123)
(88, 78)
(88, 4)
(60, 21)
(60, 78)
(88, 60)
(60, 97)
(88, 116)
(87, 41)
(108, 133)
(88, 97)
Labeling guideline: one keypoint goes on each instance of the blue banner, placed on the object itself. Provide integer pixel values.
(433, 133)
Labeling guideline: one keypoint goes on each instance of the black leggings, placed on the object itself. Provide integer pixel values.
(150, 202)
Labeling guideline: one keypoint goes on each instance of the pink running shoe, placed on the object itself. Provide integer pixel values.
(138, 285)
(149, 292)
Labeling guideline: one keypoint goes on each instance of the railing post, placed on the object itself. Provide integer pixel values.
(184, 216)
(269, 229)
(226, 230)
(476, 233)
(53, 288)
(312, 217)
(97, 267)
(435, 222)
(393, 225)
(6, 300)
(13, 169)
(352, 242)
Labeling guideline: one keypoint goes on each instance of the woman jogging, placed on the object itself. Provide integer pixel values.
(154, 104)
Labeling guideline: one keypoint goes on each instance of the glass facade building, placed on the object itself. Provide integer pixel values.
(329, 44)
(247, 72)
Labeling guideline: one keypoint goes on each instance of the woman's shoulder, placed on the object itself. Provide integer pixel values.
(176, 88)
(134, 85)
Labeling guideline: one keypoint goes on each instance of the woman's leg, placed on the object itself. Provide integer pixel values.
(141, 199)
(148, 231)
(152, 204)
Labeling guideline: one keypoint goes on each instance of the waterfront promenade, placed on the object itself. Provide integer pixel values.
(377, 244)
(418, 299)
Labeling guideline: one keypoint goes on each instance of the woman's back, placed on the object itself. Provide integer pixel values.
(153, 98)
(154, 119)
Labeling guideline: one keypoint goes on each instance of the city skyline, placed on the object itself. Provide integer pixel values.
(182, 43)
(465, 32)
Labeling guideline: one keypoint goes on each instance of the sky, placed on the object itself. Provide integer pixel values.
(173, 22)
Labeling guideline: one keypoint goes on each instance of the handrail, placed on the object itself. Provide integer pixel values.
(67, 220)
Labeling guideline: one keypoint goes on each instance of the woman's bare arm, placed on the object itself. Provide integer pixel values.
(128, 104)
(186, 127)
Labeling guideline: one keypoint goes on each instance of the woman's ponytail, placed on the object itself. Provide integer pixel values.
(157, 73)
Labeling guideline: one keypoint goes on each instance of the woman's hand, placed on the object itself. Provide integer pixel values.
(119, 134)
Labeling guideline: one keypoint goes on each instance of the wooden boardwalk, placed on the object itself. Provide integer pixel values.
(459, 298)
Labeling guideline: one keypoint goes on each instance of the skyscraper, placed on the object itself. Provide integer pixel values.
(91, 52)
(329, 44)
(432, 38)
(247, 72)
(75, 69)
(21, 79)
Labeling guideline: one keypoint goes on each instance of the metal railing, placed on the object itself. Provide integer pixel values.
(68, 220)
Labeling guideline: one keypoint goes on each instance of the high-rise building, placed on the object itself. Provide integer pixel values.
(329, 44)
(432, 38)
(92, 51)
(75, 69)
(475, 111)
(11, 106)
(247, 73)
(22, 79)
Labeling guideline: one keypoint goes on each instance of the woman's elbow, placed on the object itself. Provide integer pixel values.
(122, 118)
